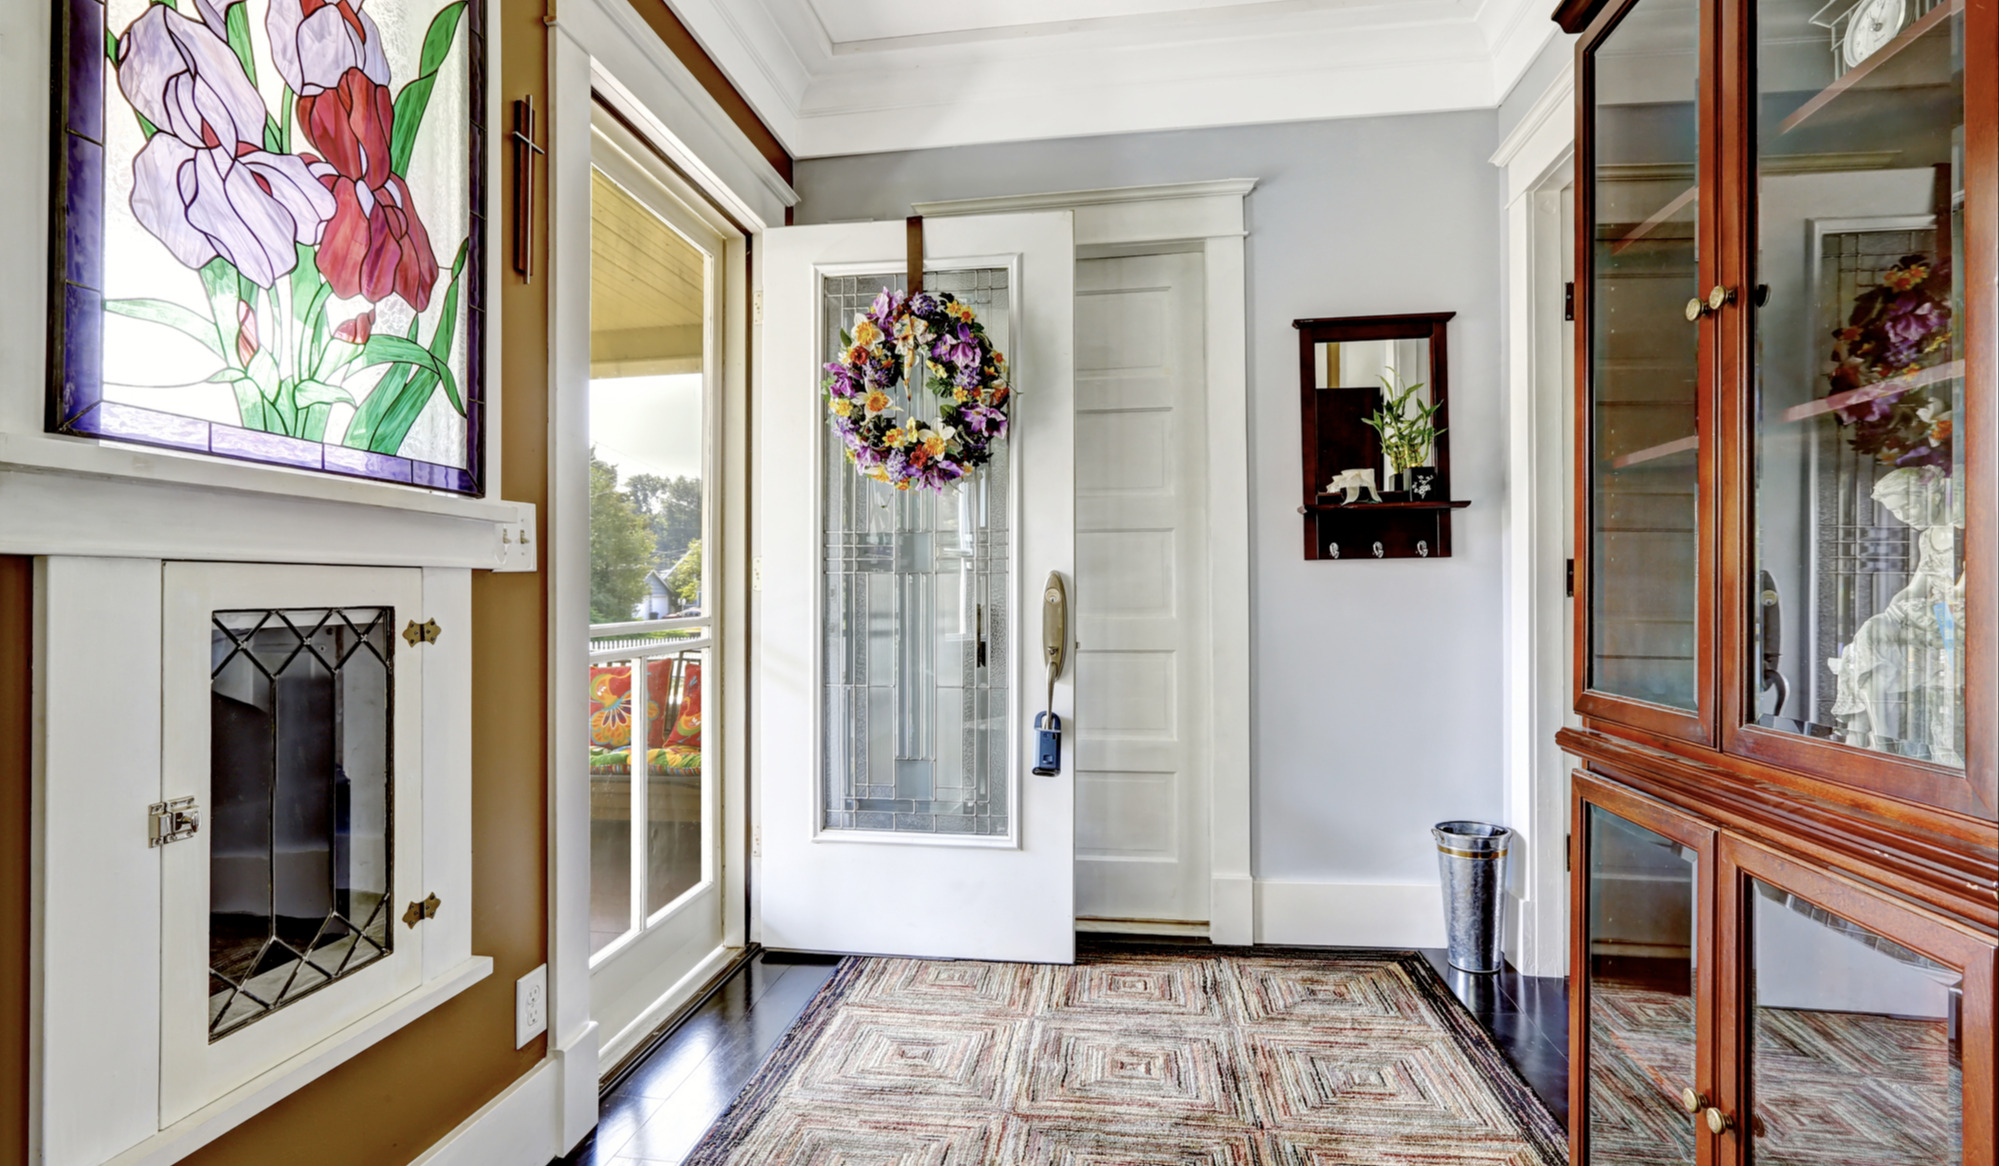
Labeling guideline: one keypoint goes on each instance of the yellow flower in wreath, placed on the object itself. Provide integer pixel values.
(877, 401)
(865, 333)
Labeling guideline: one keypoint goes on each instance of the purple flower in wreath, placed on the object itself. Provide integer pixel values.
(983, 420)
(959, 347)
(203, 185)
(1910, 325)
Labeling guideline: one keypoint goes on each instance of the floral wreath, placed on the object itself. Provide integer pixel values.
(964, 370)
(1896, 331)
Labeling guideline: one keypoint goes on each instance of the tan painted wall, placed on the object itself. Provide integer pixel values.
(398, 1098)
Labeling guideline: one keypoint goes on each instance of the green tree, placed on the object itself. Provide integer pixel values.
(672, 507)
(621, 547)
(684, 581)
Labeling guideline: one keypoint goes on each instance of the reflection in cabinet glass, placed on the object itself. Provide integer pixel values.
(917, 616)
(1860, 360)
(1644, 355)
(1857, 1053)
(300, 759)
(1642, 1034)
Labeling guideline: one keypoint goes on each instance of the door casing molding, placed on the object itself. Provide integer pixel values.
(1207, 217)
(1538, 158)
(599, 49)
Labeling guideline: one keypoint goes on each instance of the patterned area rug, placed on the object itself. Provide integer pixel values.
(1836, 1088)
(1135, 1057)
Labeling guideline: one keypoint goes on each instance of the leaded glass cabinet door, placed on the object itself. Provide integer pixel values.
(897, 677)
(293, 717)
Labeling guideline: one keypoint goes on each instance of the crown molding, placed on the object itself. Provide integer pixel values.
(1232, 64)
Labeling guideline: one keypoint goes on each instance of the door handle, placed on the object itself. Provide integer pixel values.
(1054, 628)
(1054, 653)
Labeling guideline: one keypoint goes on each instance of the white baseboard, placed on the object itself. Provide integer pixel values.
(1349, 914)
(517, 1128)
(576, 1061)
(1232, 910)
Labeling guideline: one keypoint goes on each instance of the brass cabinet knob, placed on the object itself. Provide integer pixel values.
(1720, 296)
(1719, 1122)
(1693, 1099)
(1696, 308)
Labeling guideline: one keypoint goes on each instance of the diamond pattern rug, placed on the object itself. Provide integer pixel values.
(1136, 1056)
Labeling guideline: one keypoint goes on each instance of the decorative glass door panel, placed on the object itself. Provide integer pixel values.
(918, 620)
(1645, 367)
(299, 777)
(1856, 622)
(1641, 970)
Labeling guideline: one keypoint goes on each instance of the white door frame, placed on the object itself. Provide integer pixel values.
(1538, 159)
(603, 47)
(1206, 217)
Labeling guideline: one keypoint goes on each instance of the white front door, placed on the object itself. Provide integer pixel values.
(898, 634)
(1142, 591)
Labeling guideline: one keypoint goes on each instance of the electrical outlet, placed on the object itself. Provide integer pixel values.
(530, 1006)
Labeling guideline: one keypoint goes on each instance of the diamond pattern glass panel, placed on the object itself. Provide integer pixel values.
(299, 826)
(918, 624)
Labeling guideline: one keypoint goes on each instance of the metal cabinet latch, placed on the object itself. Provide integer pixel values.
(418, 912)
(421, 633)
(173, 821)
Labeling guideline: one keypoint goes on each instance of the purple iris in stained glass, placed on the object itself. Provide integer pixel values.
(203, 185)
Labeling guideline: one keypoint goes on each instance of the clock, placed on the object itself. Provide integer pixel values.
(1870, 24)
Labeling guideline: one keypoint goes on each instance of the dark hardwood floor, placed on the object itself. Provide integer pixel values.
(663, 1106)
(1528, 1017)
(658, 1112)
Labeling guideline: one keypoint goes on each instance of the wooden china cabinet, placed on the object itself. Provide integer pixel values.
(1784, 854)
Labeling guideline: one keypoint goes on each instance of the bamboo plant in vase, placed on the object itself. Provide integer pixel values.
(1408, 430)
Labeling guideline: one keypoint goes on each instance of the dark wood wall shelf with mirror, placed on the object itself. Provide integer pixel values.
(1347, 367)
(1783, 843)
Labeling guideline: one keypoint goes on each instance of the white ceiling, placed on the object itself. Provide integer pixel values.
(859, 76)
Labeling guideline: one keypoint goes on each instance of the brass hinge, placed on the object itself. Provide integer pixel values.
(1568, 846)
(419, 912)
(425, 632)
(173, 821)
(1568, 301)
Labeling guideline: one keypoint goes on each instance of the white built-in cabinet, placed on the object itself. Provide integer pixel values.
(130, 1066)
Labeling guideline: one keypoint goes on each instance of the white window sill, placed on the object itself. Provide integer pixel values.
(260, 1093)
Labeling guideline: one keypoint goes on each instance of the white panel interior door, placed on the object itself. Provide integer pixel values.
(887, 824)
(1142, 596)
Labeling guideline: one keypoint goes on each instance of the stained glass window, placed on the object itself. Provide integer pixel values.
(268, 233)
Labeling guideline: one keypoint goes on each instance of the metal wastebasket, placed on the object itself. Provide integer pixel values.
(1471, 857)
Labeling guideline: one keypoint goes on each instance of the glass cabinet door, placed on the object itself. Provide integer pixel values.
(1854, 1022)
(1642, 182)
(1640, 981)
(1856, 384)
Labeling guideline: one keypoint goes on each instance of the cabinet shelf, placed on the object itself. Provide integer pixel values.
(1935, 19)
(1358, 507)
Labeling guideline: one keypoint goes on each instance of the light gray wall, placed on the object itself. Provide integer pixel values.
(1376, 684)
(1548, 63)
